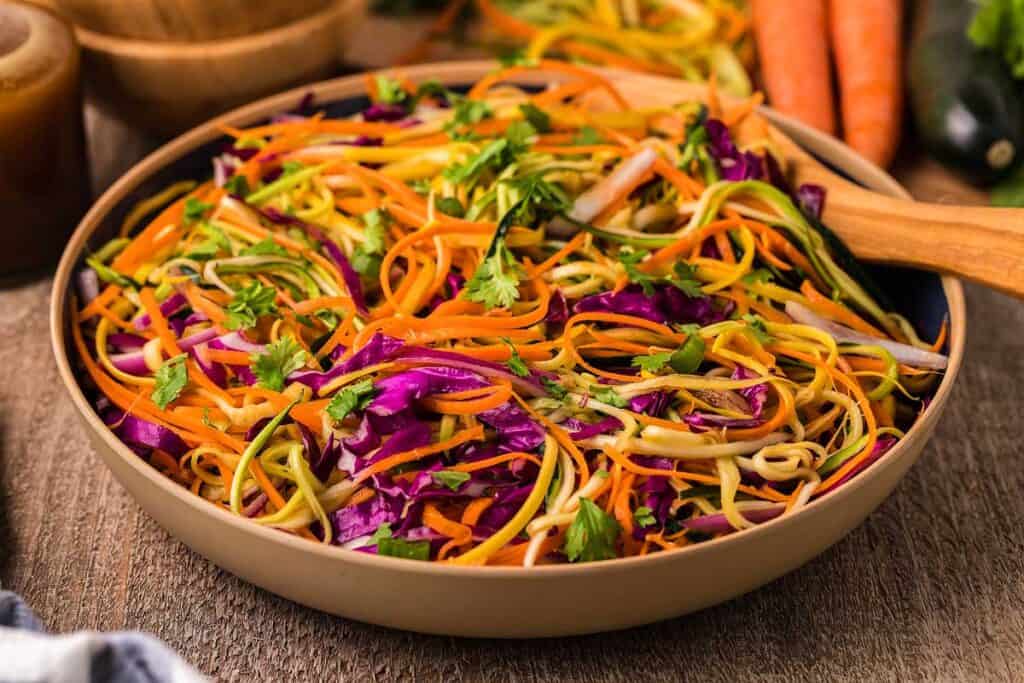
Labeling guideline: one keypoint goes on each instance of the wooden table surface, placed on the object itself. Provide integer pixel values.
(929, 588)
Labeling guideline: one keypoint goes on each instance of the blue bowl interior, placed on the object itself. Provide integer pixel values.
(918, 295)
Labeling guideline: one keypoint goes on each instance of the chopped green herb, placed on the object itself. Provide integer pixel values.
(758, 275)
(390, 91)
(237, 185)
(496, 280)
(250, 303)
(609, 396)
(536, 198)
(383, 531)
(171, 378)
(630, 259)
(353, 397)
(644, 516)
(516, 363)
(279, 360)
(267, 247)
(450, 206)
(757, 329)
(194, 210)
(592, 534)
(686, 280)
(450, 478)
(554, 389)
(652, 363)
(366, 257)
(536, 117)
(587, 136)
(467, 113)
(410, 550)
(489, 157)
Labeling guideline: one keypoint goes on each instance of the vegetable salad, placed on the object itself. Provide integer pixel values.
(498, 327)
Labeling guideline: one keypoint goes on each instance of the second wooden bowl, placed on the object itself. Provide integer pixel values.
(167, 87)
(187, 20)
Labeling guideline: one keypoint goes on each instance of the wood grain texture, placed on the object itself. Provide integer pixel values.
(186, 20)
(930, 588)
(980, 243)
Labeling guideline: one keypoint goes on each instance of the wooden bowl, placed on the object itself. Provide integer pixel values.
(187, 20)
(167, 87)
(552, 600)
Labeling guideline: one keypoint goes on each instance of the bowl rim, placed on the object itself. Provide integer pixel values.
(212, 49)
(460, 73)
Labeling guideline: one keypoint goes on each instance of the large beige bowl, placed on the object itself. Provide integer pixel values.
(501, 602)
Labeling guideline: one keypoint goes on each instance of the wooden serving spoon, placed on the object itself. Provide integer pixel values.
(978, 243)
(982, 244)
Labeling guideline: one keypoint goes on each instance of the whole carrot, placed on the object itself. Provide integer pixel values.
(866, 42)
(792, 44)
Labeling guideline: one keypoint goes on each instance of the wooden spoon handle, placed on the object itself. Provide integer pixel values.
(982, 244)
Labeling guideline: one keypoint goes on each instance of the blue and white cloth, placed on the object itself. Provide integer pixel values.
(29, 655)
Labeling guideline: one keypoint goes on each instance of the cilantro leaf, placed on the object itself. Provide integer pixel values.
(516, 363)
(489, 157)
(250, 303)
(644, 516)
(467, 113)
(267, 247)
(496, 280)
(366, 257)
(686, 280)
(390, 91)
(554, 389)
(536, 198)
(587, 136)
(653, 362)
(237, 185)
(757, 329)
(450, 478)
(215, 242)
(536, 117)
(591, 536)
(450, 206)
(609, 396)
(171, 378)
(410, 550)
(758, 275)
(353, 397)
(518, 135)
(194, 210)
(630, 260)
(280, 359)
(383, 531)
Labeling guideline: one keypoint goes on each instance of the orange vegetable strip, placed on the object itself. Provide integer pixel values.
(838, 312)
(792, 44)
(867, 41)
(474, 434)
(109, 293)
(862, 401)
(229, 357)
(475, 508)
(311, 305)
(496, 460)
(630, 466)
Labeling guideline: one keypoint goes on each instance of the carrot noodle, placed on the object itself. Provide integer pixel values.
(471, 325)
